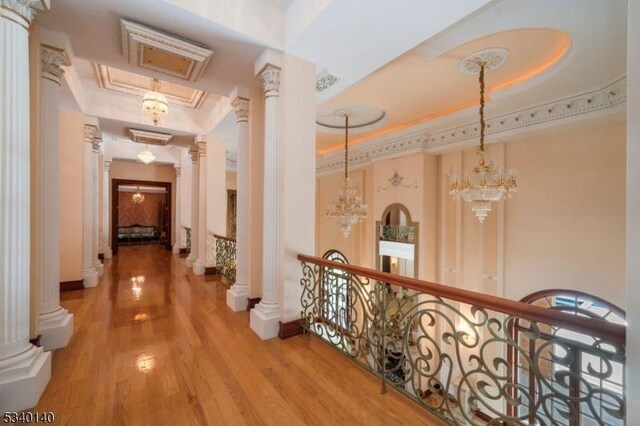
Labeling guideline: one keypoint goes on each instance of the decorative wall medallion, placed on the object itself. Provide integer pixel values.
(396, 181)
(158, 51)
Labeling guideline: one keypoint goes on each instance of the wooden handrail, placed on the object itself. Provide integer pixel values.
(222, 237)
(590, 326)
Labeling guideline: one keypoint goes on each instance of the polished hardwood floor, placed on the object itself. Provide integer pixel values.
(169, 351)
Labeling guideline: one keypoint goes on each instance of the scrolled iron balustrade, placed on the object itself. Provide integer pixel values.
(188, 243)
(226, 257)
(397, 233)
(469, 358)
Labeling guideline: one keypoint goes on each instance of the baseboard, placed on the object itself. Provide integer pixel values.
(72, 285)
(210, 270)
(252, 302)
(290, 329)
(101, 256)
(36, 341)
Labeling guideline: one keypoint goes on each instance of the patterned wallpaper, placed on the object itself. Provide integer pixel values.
(146, 214)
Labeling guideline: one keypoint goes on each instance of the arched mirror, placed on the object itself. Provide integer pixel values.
(397, 242)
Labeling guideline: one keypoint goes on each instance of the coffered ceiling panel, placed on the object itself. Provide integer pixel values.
(135, 84)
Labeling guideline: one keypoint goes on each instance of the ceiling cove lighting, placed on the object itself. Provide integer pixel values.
(488, 185)
(155, 103)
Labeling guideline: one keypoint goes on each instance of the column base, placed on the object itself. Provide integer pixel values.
(237, 297)
(90, 277)
(264, 320)
(56, 329)
(108, 253)
(190, 260)
(23, 378)
(100, 268)
(199, 267)
(175, 249)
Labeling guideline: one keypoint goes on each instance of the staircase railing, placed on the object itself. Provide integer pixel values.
(188, 239)
(226, 256)
(469, 357)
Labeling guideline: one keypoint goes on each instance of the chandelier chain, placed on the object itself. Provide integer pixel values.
(346, 145)
(482, 124)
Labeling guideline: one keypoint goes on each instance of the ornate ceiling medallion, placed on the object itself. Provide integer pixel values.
(492, 58)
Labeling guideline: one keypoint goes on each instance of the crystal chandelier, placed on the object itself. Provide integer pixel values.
(138, 197)
(146, 156)
(488, 185)
(348, 210)
(154, 102)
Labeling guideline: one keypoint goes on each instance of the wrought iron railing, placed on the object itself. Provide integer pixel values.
(226, 257)
(468, 357)
(211, 250)
(397, 233)
(188, 243)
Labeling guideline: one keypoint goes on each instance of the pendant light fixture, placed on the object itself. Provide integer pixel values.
(155, 103)
(146, 156)
(138, 197)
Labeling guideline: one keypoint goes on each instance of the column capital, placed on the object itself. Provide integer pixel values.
(107, 166)
(177, 168)
(90, 132)
(193, 152)
(19, 11)
(270, 76)
(201, 147)
(241, 106)
(97, 142)
(53, 59)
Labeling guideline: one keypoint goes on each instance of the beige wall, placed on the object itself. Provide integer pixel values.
(121, 169)
(71, 195)
(564, 228)
(232, 181)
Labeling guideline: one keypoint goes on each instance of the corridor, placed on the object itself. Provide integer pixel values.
(166, 349)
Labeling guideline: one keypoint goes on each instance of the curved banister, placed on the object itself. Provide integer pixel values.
(222, 237)
(591, 326)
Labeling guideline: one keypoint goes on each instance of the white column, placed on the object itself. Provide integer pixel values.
(193, 254)
(95, 198)
(24, 369)
(177, 243)
(238, 294)
(55, 324)
(89, 271)
(200, 264)
(106, 210)
(265, 316)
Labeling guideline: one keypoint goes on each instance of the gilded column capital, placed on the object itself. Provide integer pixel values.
(90, 132)
(52, 61)
(270, 77)
(202, 148)
(241, 106)
(19, 11)
(193, 152)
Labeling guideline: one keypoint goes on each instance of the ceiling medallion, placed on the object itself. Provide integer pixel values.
(492, 58)
(154, 102)
(348, 210)
(489, 185)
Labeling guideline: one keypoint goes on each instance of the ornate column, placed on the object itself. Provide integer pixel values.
(55, 324)
(24, 369)
(265, 316)
(238, 293)
(89, 271)
(177, 243)
(193, 254)
(200, 263)
(95, 198)
(106, 210)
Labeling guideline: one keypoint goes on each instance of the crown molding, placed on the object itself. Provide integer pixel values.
(419, 139)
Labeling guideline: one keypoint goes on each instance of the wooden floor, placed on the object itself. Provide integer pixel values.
(176, 354)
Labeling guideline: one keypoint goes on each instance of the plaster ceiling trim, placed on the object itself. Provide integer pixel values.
(106, 81)
(147, 137)
(419, 139)
(143, 189)
(140, 43)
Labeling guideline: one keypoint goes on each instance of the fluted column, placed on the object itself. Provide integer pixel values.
(95, 199)
(89, 271)
(55, 324)
(24, 368)
(238, 294)
(200, 264)
(265, 316)
(193, 254)
(106, 210)
(177, 244)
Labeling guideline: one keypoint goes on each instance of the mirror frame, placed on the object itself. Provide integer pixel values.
(410, 222)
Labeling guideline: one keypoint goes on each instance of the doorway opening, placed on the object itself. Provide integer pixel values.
(141, 213)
